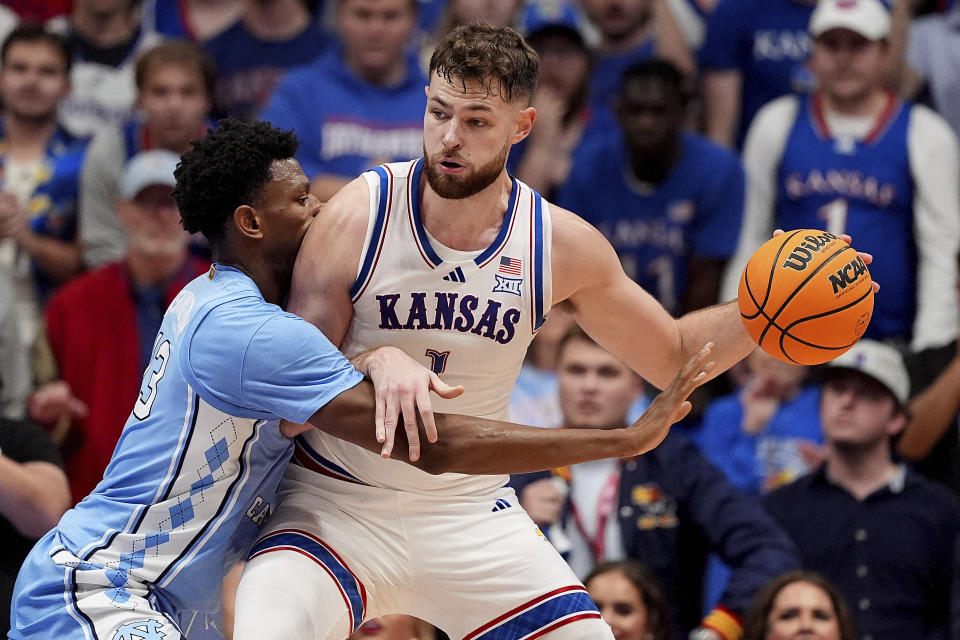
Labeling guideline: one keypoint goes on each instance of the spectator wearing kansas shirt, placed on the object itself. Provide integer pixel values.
(854, 158)
(360, 105)
(754, 52)
(668, 201)
(252, 54)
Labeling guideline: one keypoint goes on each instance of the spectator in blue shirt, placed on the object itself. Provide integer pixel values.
(755, 51)
(668, 508)
(880, 532)
(361, 104)
(254, 52)
(670, 202)
(767, 433)
(631, 31)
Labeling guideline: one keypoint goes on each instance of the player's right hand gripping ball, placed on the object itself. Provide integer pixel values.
(805, 296)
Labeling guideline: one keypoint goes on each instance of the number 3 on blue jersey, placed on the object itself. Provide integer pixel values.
(142, 409)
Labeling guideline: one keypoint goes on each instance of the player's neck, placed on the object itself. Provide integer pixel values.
(466, 224)
(273, 286)
(869, 104)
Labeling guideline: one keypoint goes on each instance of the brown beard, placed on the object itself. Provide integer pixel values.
(451, 187)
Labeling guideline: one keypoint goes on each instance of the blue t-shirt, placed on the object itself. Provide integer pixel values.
(195, 470)
(758, 463)
(346, 125)
(767, 42)
(656, 229)
(168, 19)
(606, 77)
(248, 67)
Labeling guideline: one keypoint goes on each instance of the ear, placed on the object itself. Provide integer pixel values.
(247, 221)
(897, 422)
(523, 124)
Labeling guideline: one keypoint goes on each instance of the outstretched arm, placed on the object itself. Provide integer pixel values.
(625, 319)
(479, 446)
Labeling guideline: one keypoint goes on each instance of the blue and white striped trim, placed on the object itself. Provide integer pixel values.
(539, 616)
(353, 592)
(372, 255)
(308, 458)
(427, 251)
(536, 265)
(506, 228)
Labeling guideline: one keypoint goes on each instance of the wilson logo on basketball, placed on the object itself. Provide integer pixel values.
(848, 274)
(803, 252)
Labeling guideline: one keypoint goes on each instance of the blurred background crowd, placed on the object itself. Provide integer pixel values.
(793, 498)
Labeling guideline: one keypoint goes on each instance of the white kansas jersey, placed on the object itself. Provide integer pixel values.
(468, 315)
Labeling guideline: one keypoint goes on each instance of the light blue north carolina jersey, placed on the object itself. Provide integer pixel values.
(195, 470)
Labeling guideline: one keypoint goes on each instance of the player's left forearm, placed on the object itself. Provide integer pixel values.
(721, 325)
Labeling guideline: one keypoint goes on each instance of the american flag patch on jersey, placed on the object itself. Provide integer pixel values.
(510, 265)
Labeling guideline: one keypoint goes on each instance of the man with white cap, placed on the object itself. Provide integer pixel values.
(101, 326)
(854, 158)
(883, 534)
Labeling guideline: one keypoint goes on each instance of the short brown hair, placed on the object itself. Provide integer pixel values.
(31, 32)
(497, 57)
(177, 52)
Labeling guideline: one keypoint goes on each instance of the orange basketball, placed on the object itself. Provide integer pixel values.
(805, 296)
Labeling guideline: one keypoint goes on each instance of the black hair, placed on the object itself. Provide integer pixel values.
(661, 71)
(225, 169)
(32, 32)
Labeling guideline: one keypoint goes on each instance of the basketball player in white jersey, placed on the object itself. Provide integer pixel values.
(458, 263)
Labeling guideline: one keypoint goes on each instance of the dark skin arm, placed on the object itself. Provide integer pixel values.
(479, 446)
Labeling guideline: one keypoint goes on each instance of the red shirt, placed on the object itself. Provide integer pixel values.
(92, 328)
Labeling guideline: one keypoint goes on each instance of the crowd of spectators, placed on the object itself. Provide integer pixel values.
(686, 131)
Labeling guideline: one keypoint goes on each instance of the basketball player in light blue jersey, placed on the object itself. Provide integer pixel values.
(854, 158)
(193, 476)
